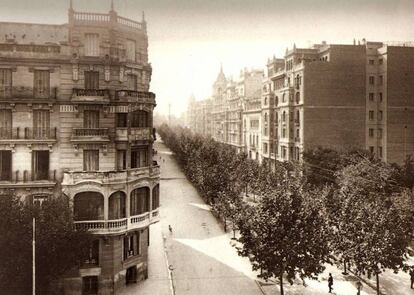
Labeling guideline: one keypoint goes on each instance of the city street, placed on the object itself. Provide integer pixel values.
(201, 256)
(199, 252)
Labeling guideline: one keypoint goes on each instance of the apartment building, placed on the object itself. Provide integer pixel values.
(76, 119)
(223, 115)
(342, 97)
(219, 108)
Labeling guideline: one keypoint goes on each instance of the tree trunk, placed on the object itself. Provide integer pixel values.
(281, 284)
(234, 231)
(345, 272)
(225, 225)
(378, 290)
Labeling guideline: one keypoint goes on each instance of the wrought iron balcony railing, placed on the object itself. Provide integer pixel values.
(22, 92)
(22, 133)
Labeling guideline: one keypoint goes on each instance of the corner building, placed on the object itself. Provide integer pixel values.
(76, 118)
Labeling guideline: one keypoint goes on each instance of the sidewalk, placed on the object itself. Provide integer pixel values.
(343, 285)
(158, 282)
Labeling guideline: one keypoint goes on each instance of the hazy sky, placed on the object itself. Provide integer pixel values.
(188, 39)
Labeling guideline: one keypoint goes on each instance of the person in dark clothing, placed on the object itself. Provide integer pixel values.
(170, 228)
(330, 283)
(412, 276)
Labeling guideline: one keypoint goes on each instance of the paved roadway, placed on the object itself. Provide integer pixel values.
(198, 250)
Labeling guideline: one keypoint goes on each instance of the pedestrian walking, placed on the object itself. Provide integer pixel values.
(170, 228)
(412, 276)
(330, 283)
(359, 287)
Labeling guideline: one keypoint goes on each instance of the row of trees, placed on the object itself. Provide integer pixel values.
(334, 207)
(59, 247)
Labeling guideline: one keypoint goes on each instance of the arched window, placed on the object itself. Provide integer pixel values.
(139, 201)
(265, 117)
(272, 100)
(89, 206)
(297, 116)
(283, 97)
(117, 206)
(265, 101)
(297, 97)
(284, 116)
(156, 197)
(276, 117)
(139, 119)
(276, 101)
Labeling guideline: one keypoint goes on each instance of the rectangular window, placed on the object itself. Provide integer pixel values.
(380, 80)
(283, 133)
(371, 96)
(132, 82)
(379, 133)
(379, 115)
(91, 160)
(371, 132)
(140, 119)
(130, 50)
(265, 148)
(5, 82)
(121, 159)
(41, 84)
(371, 149)
(380, 97)
(92, 257)
(380, 151)
(91, 119)
(90, 285)
(40, 165)
(380, 61)
(5, 124)
(371, 115)
(132, 245)
(121, 120)
(41, 123)
(5, 165)
(371, 80)
(91, 79)
(371, 62)
(91, 44)
(139, 157)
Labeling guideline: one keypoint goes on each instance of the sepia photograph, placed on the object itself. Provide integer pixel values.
(206, 147)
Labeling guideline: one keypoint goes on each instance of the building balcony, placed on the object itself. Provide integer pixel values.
(110, 177)
(121, 134)
(28, 179)
(105, 20)
(119, 225)
(134, 134)
(29, 94)
(28, 135)
(90, 135)
(29, 50)
(90, 96)
(140, 133)
(135, 96)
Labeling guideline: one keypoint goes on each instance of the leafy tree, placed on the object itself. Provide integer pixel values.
(286, 234)
(374, 223)
(59, 247)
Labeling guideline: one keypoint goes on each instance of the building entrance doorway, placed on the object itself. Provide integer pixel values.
(131, 275)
